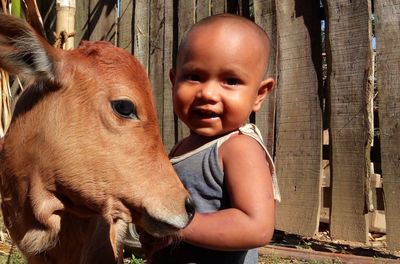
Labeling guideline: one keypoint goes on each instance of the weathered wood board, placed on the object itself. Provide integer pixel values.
(388, 73)
(299, 117)
(141, 21)
(125, 25)
(265, 16)
(349, 54)
(103, 20)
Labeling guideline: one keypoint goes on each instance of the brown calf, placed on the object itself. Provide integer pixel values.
(83, 155)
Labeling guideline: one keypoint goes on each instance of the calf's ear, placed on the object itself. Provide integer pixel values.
(23, 52)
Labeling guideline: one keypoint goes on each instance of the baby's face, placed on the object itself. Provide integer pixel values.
(217, 77)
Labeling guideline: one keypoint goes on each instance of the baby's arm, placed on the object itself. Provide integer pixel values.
(250, 221)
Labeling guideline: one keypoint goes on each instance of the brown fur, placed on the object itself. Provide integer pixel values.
(73, 173)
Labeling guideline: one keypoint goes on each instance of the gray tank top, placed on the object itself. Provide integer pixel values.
(200, 172)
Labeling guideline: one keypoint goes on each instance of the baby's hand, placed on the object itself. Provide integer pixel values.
(151, 244)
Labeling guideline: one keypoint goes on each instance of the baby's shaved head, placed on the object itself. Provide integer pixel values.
(220, 74)
(253, 34)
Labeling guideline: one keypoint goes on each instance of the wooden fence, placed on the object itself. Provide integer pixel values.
(334, 131)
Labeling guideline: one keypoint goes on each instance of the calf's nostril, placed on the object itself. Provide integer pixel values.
(190, 208)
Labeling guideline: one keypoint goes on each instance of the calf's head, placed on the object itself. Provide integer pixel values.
(83, 140)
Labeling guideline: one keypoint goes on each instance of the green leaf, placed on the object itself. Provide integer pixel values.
(16, 8)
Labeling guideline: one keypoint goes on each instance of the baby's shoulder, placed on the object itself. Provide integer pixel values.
(241, 144)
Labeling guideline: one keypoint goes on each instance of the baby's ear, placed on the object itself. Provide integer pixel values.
(264, 89)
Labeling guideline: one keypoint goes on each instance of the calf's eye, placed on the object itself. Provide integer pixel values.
(124, 108)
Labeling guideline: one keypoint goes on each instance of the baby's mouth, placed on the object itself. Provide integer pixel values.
(206, 114)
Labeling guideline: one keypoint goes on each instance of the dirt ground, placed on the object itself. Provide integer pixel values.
(323, 250)
(376, 247)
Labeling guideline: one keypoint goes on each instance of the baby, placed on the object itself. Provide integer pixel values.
(218, 80)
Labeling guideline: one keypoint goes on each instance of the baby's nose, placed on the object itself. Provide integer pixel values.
(209, 91)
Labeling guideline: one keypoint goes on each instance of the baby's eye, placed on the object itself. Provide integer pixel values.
(232, 81)
(193, 77)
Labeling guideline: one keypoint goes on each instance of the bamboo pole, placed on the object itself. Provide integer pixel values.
(65, 25)
(4, 5)
(5, 103)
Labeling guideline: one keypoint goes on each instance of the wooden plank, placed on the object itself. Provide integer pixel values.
(299, 117)
(203, 9)
(156, 57)
(186, 18)
(81, 22)
(265, 16)
(102, 20)
(156, 54)
(388, 68)
(125, 25)
(141, 46)
(349, 59)
(218, 7)
(168, 126)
